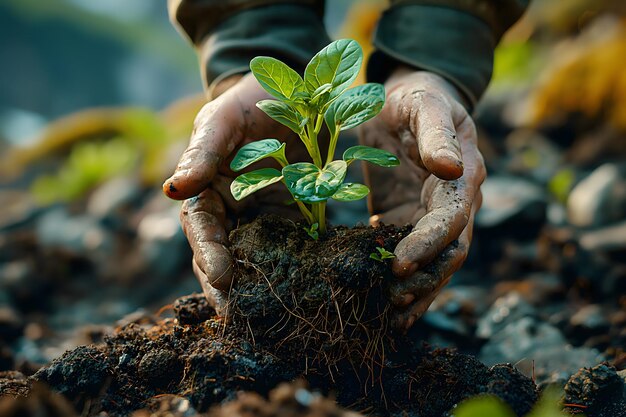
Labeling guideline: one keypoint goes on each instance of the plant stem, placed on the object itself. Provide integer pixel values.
(321, 211)
(315, 151)
(332, 146)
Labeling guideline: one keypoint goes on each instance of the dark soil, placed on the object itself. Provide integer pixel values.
(301, 309)
(209, 364)
(327, 296)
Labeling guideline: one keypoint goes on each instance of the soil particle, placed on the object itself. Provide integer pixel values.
(596, 392)
(81, 372)
(193, 309)
(160, 368)
(13, 383)
(513, 387)
(287, 400)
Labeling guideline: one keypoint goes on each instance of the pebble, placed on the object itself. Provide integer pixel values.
(504, 311)
(590, 317)
(79, 234)
(510, 199)
(538, 350)
(600, 198)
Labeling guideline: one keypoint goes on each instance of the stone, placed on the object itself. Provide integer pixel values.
(590, 318)
(600, 198)
(611, 238)
(510, 199)
(79, 234)
(538, 350)
(112, 198)
(505, 310)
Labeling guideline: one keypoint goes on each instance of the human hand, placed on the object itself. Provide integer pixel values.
(436, 187)
(202, 178)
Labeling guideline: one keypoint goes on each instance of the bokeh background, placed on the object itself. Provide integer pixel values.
(97, 101)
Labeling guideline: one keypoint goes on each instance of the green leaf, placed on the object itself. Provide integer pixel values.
(382, 254)
(355, 106)
(338, 64)
(283, 113)
(313, 231)
(276, 77)
(483, 406)
(373, 155)
(351, 192)
(309, 184)
(250, 182)
(255, 151)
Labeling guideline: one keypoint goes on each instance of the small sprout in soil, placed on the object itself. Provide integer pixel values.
(382, 254)
(312, 231)
(304, 104)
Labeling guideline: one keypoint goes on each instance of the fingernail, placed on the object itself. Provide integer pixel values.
(449, 155)
(169, 188)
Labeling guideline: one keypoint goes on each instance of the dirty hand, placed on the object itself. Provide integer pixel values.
(203, 177)
(436, 187)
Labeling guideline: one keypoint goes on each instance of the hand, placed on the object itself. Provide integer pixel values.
(436, 187)
(202, 178)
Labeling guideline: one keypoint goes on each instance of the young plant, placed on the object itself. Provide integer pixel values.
(304, 105)
(382, 254)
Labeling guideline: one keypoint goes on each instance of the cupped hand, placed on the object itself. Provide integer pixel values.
(203, 177)
(436, 187)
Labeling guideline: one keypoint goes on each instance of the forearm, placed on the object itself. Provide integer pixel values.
(453, 38)
(228, 34)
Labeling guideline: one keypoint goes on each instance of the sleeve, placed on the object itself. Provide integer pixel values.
(453, 38)
(229, 33)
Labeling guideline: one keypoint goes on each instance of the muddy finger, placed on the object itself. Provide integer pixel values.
(214, 137)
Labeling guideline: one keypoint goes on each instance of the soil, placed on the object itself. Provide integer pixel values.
(314, 310)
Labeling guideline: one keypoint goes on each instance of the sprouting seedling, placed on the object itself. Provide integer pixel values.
(382, 254)
(304, 105)
(312, 231)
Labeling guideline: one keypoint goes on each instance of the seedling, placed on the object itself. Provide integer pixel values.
(304, 104)
(312, 231)
(382, 254)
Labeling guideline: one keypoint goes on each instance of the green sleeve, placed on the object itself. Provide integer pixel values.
(229, 33)
(453, 38)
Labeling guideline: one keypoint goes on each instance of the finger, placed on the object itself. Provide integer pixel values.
(202, 219)
(412, 297)
(446, 217)
(433, 125)
(448, 206)
(214, 137)
(216, 298)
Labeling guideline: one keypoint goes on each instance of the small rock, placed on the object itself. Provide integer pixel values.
(607, 239)
(531, 154)
(536, 289)
(111, 198)
(590, 318)
(505, 310)
(511, 200)
(79, 235)
(537, 349)
(600, 390)
(600, 198)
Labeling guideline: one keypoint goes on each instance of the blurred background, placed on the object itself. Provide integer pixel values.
(97, 101)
